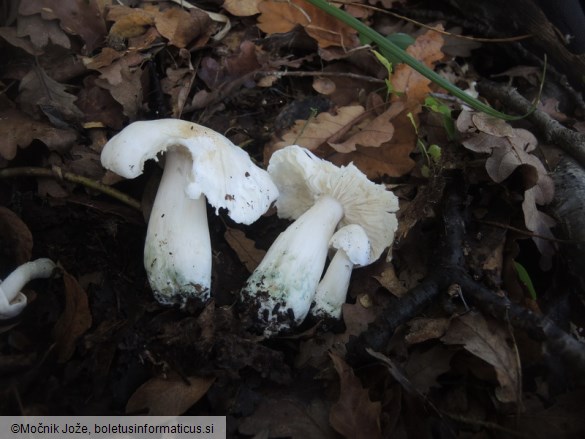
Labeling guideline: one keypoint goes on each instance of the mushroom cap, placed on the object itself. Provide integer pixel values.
(353, 240)
(302, 177)
(221, 171)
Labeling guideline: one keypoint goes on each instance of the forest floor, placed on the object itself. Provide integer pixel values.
(475, 315)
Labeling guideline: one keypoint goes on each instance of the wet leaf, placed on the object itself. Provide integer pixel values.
(171, 396)
(354, 415)
(74, 321)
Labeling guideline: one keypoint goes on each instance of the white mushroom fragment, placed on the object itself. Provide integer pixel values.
(353, 248)
(320, 196)
(200, 164)
(12, 300)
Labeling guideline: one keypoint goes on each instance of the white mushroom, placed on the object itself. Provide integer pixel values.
(353, 248)
(200, 163)
(320, 196)
(12, 300)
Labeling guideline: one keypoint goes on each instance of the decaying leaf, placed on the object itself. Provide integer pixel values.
(354, 415)
(289, 417)
(170, 396)
(74, 321)
(20, 130)
(76, 17)
(40, 94)
(490, 342)
(244, 247)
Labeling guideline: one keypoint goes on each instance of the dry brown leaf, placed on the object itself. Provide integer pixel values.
(427, 49)
(242, 8)
(20, 130)
(281, 17)
(74, 321)
(391, 158)
(181, 27)
(244, 247)
(170, 396)
(390, 281)
(491, 344)
(16, 239)
(314, 132)
(354, 415)
(422, 329)
(370, 133)
(128, 22)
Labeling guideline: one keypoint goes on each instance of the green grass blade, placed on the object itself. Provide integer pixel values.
(404, 57)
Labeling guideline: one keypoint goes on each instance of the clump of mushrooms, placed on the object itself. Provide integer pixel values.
(320, 197)
(200, 164)
(12, 300)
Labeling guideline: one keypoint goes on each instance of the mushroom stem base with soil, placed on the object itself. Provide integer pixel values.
(279, 293)
(177, 254)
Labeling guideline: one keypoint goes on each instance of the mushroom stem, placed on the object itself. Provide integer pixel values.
(282, 287)
(332, 290)
(12, 301)
(177, 253)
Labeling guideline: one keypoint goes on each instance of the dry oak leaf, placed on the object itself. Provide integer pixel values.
(171, 396)
(490, 343)
(282, 17)
(354, 415)
(242, 8)
(75, 320)
(391, 158)
(427, 49)
(314, 132)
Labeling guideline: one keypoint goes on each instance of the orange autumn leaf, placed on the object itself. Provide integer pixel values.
(427, 49)
(281, 17)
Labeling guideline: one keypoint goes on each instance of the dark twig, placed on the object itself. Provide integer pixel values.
(451, 271)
